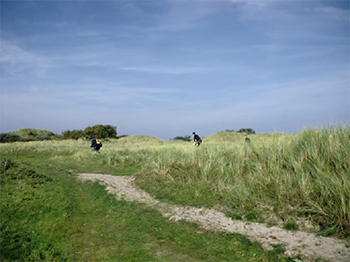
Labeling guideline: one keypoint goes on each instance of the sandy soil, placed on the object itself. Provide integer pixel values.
(307, 245)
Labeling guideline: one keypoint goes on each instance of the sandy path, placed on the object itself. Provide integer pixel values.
(308, 245)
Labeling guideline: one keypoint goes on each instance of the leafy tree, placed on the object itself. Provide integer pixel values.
(67, 134)
(97, 131)
(75, 134)
(248, 131)
(100, 131)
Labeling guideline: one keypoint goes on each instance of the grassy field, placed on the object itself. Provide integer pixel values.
(46, 214)
(303, 176)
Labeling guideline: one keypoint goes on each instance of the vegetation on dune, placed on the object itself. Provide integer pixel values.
(47, 215)
(258, 178)
(97, 131)
(140, 140)
(28, 134)
(276, 177)
(183, 138)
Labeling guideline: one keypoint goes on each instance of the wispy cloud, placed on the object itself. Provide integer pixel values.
(265, 10)
(164, 67)
(254, 3)
(178, 16)
(335, 13)
(19, 62)
(166, 70)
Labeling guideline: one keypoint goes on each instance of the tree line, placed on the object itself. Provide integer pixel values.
(98, 131)
(26, 134)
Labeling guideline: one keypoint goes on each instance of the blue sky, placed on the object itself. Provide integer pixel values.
(168, 68)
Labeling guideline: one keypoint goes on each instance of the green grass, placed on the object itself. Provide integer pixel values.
(305, 176)
(48, 215)
(291, 225)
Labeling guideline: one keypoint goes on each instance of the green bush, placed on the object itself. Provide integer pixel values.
(97, 131)
(6, 138)
(182, 138)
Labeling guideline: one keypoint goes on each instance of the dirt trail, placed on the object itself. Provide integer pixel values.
(308, 245)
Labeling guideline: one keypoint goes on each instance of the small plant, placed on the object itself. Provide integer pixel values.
(291, 225)
(254, 216)
(234, 215)
(271, 224)
(297, 260)
(278, 248)
(329, 230)
(6, 164)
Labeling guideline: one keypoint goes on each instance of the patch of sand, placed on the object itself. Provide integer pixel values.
(307, 245)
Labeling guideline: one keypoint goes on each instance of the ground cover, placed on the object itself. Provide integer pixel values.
(47, 215)
(302, 180)
(246, 181)
(308, 246)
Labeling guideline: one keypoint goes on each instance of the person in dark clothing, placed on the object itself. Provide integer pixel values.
(247, 140)
(197, 140)
(95, 145)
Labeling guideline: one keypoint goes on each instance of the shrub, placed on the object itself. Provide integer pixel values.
(182, 138)
(6, 137)
(98, 131)
(248, 131)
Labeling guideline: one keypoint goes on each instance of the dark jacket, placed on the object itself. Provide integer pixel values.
(96, 144)
(197, 138)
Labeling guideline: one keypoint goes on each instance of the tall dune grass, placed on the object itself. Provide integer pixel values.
(305, 175)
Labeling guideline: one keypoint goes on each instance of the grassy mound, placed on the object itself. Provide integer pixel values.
(28, 134)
